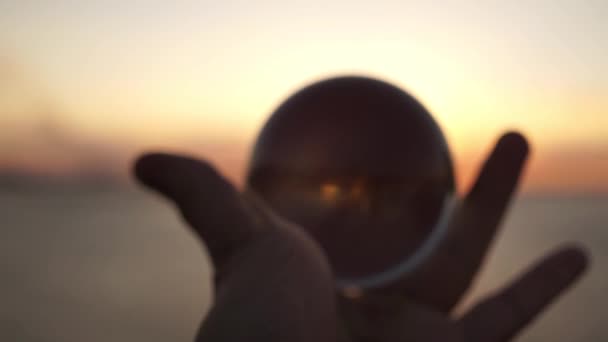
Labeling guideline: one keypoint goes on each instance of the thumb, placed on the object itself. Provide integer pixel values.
(209, 204)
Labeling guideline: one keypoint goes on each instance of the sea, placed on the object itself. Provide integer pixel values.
(117, 264)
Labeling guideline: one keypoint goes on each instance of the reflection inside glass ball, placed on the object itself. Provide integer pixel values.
(366, 225)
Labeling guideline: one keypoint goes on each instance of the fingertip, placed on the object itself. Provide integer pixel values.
(169, 173)
(147, 167)
(577, 257)
(515, 142)
(179, 177)
(501, 173)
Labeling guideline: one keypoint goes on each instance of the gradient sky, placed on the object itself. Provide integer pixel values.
(85, 85)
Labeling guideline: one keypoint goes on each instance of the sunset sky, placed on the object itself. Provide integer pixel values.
(86, 85)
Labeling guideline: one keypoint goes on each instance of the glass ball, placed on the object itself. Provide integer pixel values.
(362, 167)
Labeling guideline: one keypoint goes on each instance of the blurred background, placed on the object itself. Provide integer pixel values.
(85, 86)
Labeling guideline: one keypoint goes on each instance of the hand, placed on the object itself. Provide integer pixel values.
(419, 307)
(274, 284)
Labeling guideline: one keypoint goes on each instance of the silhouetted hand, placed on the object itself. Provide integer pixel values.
(274, 283)
(419, 307)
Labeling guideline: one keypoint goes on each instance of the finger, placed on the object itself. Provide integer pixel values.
(472, 228)
(484, 207)
(209, 204)
(502, 316)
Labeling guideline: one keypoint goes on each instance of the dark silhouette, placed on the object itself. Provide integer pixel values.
(275, 283)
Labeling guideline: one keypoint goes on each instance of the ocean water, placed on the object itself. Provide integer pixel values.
(118, 265)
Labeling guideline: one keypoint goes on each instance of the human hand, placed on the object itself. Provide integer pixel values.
(274, 284)
(272, 281)
(420, 307)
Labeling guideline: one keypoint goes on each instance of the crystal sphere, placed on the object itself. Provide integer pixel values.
(361, 166)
